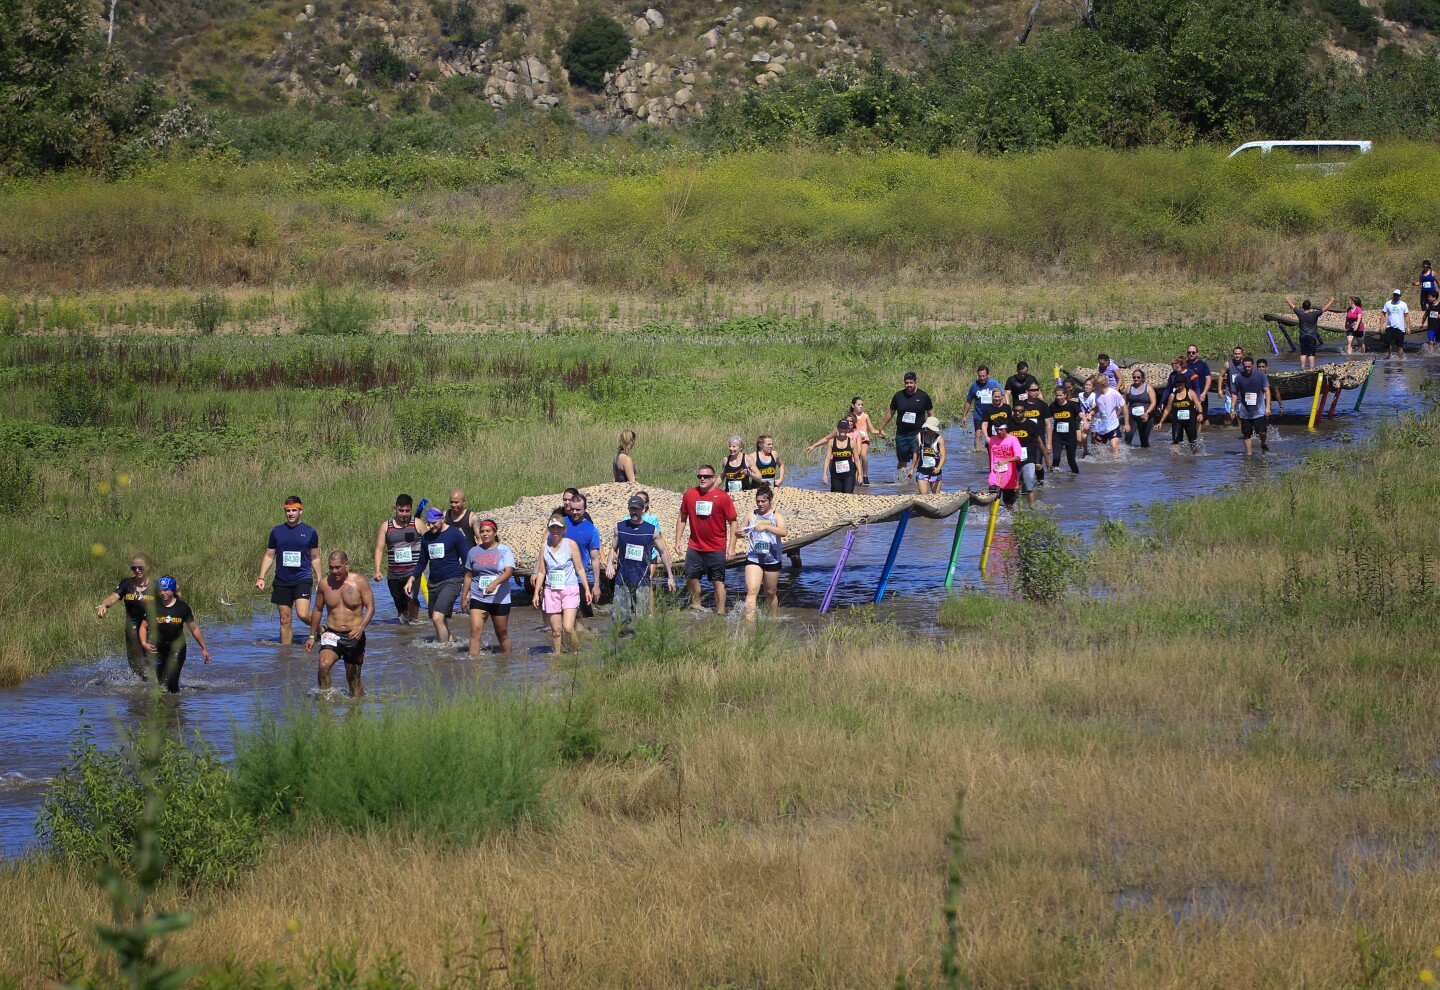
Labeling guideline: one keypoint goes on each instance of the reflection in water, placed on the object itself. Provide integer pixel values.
(251, 672)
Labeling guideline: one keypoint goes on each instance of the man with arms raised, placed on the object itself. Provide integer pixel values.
(914, 407)
(297, 547)
(714, 528)
(347, 605)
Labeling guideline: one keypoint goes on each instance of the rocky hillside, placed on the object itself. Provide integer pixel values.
(404, 55)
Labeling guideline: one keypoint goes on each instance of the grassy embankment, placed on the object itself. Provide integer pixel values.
(1222, 776)
(810, 227)
(211, 433)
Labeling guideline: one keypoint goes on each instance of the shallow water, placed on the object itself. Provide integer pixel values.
(251, 672)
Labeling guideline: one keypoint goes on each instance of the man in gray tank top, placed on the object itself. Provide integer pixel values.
(397, 551)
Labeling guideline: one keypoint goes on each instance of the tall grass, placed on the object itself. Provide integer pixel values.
(673, 224)
(455, 767)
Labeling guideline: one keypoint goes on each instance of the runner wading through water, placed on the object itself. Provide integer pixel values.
(1354, 326)
(139, 598)
(397, 551)
(443, 550)
(1005, 453)
(839, 468)
(765, 529)
(347, 605)
(913, 406)
(999, 413)
(294, 550)
(736, 468)
(1397, 323)
(636, 539)
(172, 618)
(1140, 398)
(1028, 424)
(766, 466)
(1252, 390)
(1018, 384)
(711, 517)
(488, 568)
(559, 578)
(979, 397)
(1309, 319)
(929, 461)
(1199, 374)
(1181, 400)
(1064, 427)
(581, 529)
(1112, 416)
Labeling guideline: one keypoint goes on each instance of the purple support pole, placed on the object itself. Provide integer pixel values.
(835, 578)
(1273, 346)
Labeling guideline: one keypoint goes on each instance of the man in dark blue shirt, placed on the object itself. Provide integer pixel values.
(629, 564)
(1198, 374)
(294, 550)
(980, 396)
(443, 549)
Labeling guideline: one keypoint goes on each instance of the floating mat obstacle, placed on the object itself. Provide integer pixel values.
(810, 515)
(1290, 385)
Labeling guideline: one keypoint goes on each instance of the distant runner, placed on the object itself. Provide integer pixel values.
(978, 397)
(1104, 366)
(1018, 384)
(623, 467)
(1277, 407)
(1028, 424)
(930, 462)
(766, 465)
(999, 413)
(1354, 326)
(1199, 374)
(488, 568)
(350, 605)
(1086, 398)
(1309, 329)
(1432, 324)
(294, 549)
(1064, 427)
(1429, 286)
(1112, 416)
(1397, 324)
(397, 551)
(461, 517)
(1181, 400)
(864, 426)
(1227, 378)
(736, 468)
(765, 529)
(139, 598)
(839, 467)
(1252, 390)
(1140, 398)
(172, 618)
(559, 577)
(711, 516)
(913, 406)
(581, 529)
(636, 539)
(443, 550)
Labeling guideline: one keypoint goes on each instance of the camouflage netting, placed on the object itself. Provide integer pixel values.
(809, 515)
(1289, 384)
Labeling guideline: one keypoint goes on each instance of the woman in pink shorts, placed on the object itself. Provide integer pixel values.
(559, 577)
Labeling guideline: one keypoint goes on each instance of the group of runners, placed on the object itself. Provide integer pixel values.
(1359, 338)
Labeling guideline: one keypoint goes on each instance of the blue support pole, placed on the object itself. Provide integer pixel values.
(835, 578)
(890, 560)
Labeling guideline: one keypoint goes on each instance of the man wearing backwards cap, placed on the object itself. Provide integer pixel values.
(294, 549)
(1397, 320)
(443, 549)
(629, 564)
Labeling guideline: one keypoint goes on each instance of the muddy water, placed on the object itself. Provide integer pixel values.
(251, 672)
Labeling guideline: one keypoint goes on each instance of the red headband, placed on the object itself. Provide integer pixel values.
(489, 522)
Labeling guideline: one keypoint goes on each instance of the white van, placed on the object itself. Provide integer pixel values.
(1327, 156)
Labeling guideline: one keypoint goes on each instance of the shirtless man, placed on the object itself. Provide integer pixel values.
(350, 605)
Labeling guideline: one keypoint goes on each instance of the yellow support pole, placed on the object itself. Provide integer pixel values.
(1315, 405)
(990, 533)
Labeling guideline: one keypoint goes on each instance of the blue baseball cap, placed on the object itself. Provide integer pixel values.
(167, 583)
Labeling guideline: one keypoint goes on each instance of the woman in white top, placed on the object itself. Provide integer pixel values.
(559, 576)
(765, 529)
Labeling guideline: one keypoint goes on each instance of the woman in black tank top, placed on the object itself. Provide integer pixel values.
(1142, 397)
(839, 467)
(623, 467)
(734, 475)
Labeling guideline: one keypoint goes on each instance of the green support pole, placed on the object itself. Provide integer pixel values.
(955, 547)
(1363, 386)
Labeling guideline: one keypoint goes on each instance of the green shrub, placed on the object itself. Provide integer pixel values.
(424, 423)
(208, 311)
(95, 805)
(76, 399)
(381, 63)
(1042, 561)
(1354, 17)
(454, 766)
(1419, 13)
(335, 315)
(595, 47)
(20, 486)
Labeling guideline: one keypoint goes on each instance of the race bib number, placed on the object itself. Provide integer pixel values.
(634, 551)
(907, 418)
(437, 551)
(1137, 410)
(842, 467)
(983, 397)
(1252, 398)
(554, 579)
(928, 462)
(703, 509)
(734, 486)
(1183, 414)
(290, 558)
(1024, 454)
(404, 555)
(329, 639)
(1062, 427)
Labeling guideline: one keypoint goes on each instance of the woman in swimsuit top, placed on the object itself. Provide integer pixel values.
(735, 469)
(766, 465)
(623, 468)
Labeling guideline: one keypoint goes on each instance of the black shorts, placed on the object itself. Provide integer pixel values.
(1394, 337)
(905, 446)
(1309, 346)
(767, 568)
(1250, 427)
(349, 649)
(289, 594)
(397, 592)
(1009, 496)
(700, 564)
(1107, 437)
(490, 608)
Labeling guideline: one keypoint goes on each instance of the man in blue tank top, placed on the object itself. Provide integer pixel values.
(629, 565)
(294, 550)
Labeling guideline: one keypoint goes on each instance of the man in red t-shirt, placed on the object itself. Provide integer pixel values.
(713, 530)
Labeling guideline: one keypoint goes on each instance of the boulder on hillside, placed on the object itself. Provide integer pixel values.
(763, 23)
